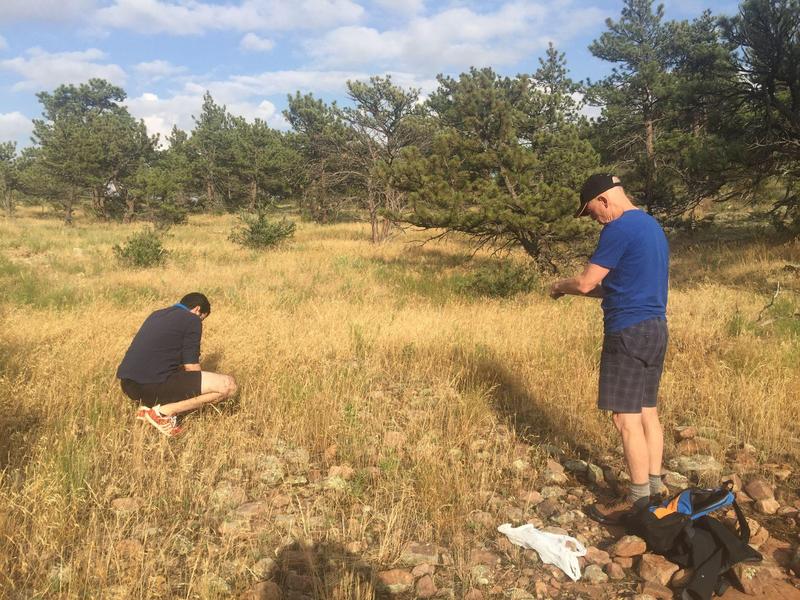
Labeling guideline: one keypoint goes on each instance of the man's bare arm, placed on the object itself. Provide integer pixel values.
(192, 367)
(587, 283)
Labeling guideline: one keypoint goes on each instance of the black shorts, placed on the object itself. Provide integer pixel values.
(630, 366)
(181, 385)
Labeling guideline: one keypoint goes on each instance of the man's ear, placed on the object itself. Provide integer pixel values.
(195, 310)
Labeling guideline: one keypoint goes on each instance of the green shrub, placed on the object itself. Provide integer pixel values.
(257, 231)
(500, 280)
(168, 214)
(143, 249)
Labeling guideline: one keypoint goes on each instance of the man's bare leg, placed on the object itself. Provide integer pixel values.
(214, 387)
(634, 445)
(655, 439)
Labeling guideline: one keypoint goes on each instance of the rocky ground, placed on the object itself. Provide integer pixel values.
(289, 494)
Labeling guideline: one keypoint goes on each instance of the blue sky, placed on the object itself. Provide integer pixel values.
(251, 53)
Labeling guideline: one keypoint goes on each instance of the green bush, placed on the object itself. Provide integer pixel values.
(168, 214)
(500, 280)
(143, 249)
(257, 231)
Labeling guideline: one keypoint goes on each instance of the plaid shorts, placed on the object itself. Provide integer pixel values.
(631, 365)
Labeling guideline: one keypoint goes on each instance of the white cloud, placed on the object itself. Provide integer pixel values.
(280, 82)
(161, 114)
(44, 10)
(45, 70)
(402, 7)
(245, 95)
(455, 38)
(158, 69)
(190, 17)
(252, 43)
(15, 126)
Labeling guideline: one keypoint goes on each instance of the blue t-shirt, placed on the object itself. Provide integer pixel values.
(635, 250)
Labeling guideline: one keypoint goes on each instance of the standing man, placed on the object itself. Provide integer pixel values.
(161, 369)
(629, 271)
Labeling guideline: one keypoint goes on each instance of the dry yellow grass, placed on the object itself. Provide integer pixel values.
(333, 341)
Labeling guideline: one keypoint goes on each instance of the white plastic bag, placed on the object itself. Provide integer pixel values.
(553, 548)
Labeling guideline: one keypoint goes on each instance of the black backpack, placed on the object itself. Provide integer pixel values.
(682, 530)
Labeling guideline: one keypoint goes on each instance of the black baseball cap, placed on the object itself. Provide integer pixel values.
(594, 186)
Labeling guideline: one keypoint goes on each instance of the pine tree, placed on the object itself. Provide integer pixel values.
(635, 95)
(88, 141)
(9, 176)
(767, 36)
(261, 161)
(321, 141)
(211, 145)
(383, 123)
(505, 163)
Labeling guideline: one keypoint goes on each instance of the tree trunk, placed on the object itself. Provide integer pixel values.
(373, 221)
(130, 208)
(99, 203)
(649, 143)
(253, 194)
(68, 207)
(373, 215)
(210, 192)
(8, 203)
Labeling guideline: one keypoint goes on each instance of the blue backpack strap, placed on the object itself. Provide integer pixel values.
(726, 500)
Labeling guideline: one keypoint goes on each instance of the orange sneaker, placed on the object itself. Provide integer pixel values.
(166, 425)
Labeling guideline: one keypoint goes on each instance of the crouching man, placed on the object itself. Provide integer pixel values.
(161, 369)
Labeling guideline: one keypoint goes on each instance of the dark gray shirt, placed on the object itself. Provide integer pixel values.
(168, 339)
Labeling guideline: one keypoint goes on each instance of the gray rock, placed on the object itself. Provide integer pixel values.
(263, 568)
(214, 585)
(576, 466)
(181, 545)
(675, 480)
(297, 457)
(481, 574)
(335, 483)
(270, 470)
(701, 465)
(520, 466)
(233, 525)
(595, 474)
(569, 517)
(594, 574)
(417, 553)
(552, 491)
(227, 495)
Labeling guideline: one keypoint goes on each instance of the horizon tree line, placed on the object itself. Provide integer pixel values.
(693, 111)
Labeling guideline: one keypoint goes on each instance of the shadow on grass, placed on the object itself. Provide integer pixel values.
(211, 361)
(430, 260)
(323, 570)
(533, 421)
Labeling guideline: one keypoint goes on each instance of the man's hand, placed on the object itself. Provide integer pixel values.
(585, 284)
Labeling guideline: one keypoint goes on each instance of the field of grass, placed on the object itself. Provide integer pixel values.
(376, 357)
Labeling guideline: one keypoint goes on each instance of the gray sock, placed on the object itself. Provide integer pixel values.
(655, 484)
(639, 491)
